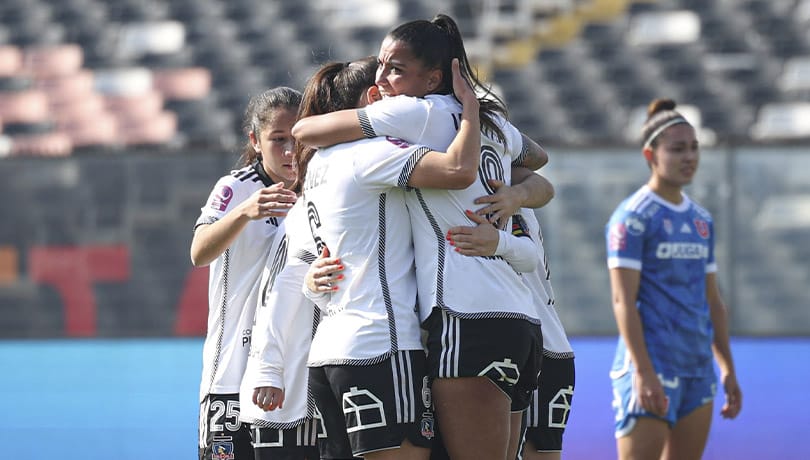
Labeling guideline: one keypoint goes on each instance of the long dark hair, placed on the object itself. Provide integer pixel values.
(259, 111)
(335, 86)
(435, 43)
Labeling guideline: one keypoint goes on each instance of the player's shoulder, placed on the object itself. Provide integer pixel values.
(245, 174)
(641, 203)
(700, 211)
(401, 103)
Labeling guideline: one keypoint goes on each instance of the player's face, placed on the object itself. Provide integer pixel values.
(276, 144)
(400, 72)
(676, 156)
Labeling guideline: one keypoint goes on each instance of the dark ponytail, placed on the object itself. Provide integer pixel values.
(661, 114)
(435, 43)
(335, 86)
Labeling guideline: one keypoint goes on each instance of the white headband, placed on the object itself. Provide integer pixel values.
(675, 121)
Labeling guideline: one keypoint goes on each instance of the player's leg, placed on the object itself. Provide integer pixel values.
(476, 366)
(694, 418)
(644, 441)
(221, 432)
(639, 434)
(689, 435)
(474, 416)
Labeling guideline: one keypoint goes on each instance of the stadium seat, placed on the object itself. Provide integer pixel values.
(795, 77)
(183, 83)
(664, 27)
(782, 121)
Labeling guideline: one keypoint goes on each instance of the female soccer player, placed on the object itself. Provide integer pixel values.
(670, 316)
(547, 415)
(367, 364)
(233, 235)
(274, 395)
(467, 304)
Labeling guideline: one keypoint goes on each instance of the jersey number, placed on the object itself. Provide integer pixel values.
(314, 224)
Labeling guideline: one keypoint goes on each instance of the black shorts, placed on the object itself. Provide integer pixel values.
(550, 408)
(221, 435)
(507, 351)
(299, 443)
(368, 408)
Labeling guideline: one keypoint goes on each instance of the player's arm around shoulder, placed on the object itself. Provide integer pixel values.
(458, 168)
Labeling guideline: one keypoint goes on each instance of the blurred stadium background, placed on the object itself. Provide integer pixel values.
(117, 116)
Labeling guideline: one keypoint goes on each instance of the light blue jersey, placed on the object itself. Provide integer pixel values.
(673, 248)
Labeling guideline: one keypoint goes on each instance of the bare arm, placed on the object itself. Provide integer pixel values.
(458, 168)
(211, 240)
(328, 129)
(624, 284)
(721, 347)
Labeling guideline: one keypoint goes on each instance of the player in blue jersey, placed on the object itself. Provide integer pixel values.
(670, 315)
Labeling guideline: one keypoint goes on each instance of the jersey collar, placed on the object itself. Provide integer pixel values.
(259, 168)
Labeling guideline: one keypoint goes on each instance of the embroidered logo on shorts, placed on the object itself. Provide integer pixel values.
(426, 425)
(222, 451)
(427, 396)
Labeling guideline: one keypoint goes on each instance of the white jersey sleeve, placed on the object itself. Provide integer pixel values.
(226, 195)
(514, 141)
(432, 121)
(555, 340)
(403, 117)
(518, 247)
(282, 330)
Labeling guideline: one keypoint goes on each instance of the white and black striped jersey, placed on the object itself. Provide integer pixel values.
(283, 328)
(555, 340)
(467, 287)
(354, 197)
(233, 282)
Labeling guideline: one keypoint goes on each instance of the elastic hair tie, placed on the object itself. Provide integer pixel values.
(675, 121)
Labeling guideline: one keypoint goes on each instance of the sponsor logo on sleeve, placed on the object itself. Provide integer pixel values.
(617, 237)
(398, 142)
(221, 198)
(634, 225)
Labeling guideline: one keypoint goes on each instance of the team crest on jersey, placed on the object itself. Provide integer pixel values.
(617, 237)
(221, 198)
(702, 228)
(222, 451)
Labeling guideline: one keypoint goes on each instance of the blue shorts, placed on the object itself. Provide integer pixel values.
(685, 395)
